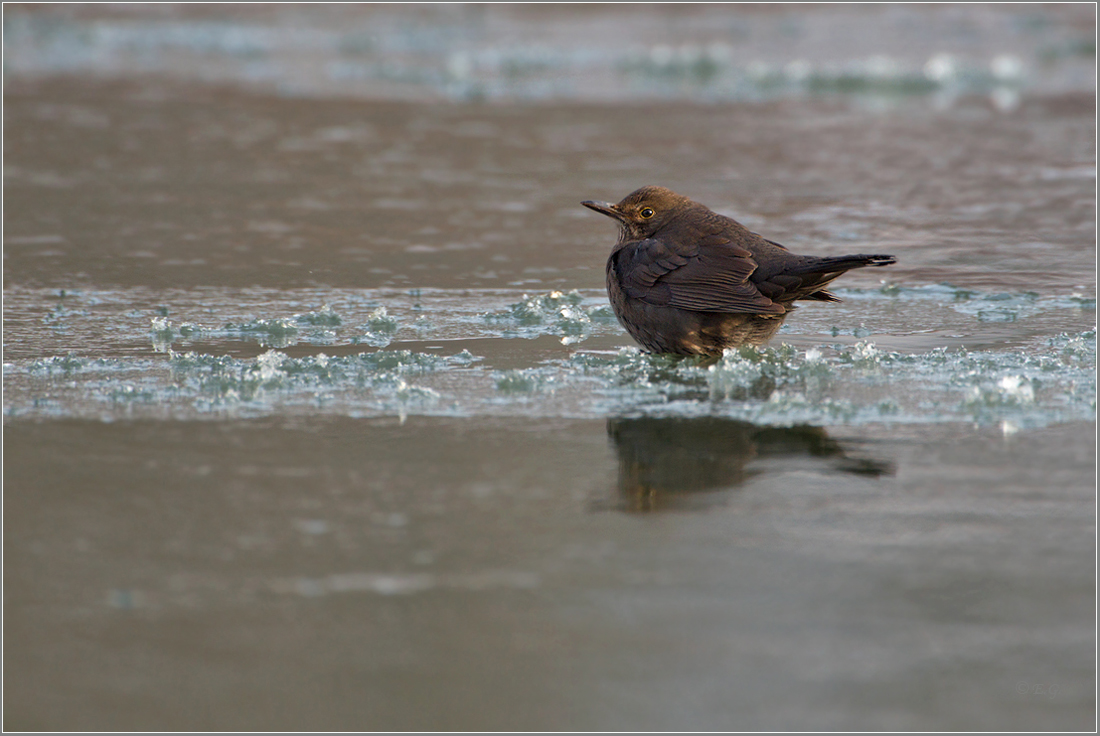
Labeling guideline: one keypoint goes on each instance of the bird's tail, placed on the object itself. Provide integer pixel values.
(819, 272)
(839, 264)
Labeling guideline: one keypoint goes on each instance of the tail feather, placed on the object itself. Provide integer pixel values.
(842, 263)
(818, 272)
(823, 296)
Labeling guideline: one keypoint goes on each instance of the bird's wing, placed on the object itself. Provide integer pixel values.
(706, 275)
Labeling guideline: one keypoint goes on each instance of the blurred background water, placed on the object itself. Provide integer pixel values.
(316, 416)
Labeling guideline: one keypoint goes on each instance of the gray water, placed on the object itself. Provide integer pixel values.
(316, 415)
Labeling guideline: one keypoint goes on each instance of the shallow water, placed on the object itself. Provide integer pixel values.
(316, 416)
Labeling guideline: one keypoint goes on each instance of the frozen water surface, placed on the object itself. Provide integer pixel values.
(316, 415)
(991, 359)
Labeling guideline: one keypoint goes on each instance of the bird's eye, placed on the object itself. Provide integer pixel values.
(647, 213)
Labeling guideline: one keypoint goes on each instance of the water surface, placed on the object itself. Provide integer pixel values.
(316, 416)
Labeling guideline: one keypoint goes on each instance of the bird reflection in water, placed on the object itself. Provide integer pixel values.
(686, 463)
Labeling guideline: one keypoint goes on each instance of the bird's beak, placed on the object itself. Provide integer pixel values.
(604, 208)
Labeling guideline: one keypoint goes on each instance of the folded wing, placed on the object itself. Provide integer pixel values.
(706, 275)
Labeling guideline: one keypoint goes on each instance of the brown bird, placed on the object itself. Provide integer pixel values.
(685, 279)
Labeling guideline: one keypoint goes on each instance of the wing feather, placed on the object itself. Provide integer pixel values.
(707, 275)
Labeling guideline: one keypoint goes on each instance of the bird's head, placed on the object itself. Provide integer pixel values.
(645, 212)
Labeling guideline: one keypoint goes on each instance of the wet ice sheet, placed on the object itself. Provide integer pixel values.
(191, 188)
(552, 354)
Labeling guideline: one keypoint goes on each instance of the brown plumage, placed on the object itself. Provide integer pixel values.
(684, 279)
